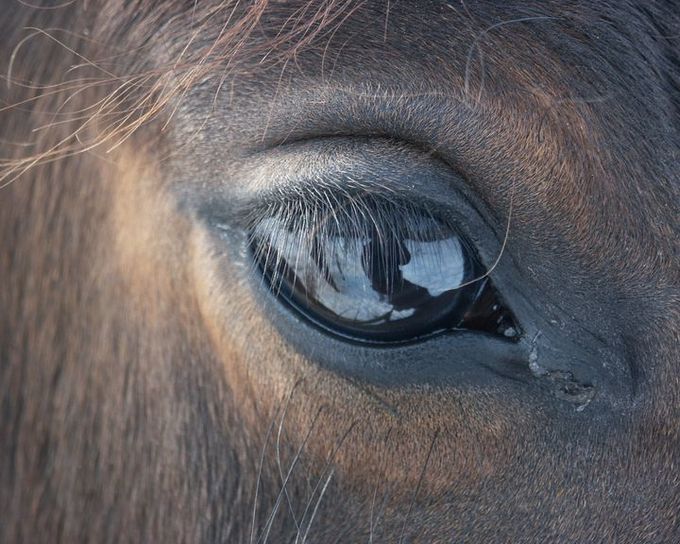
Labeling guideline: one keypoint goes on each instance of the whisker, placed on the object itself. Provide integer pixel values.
(278, 452)
(418, 486)
(331, 459)
(475, 45)
(316, 507)
(383, 468)
(259, 477)
(293, 464)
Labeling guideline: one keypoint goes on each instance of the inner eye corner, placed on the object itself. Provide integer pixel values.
(376, 271)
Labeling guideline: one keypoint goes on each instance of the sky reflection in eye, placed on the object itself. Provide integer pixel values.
(372, 279)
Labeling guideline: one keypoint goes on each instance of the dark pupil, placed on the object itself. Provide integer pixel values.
(385, 285)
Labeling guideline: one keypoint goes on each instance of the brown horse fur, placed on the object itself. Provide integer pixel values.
(147, 396)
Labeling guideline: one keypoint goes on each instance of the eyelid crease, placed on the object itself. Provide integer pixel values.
(353, 162)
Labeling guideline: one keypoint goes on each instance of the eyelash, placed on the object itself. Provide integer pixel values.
(325, 212)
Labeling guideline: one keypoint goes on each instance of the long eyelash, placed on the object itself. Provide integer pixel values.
(321, 212)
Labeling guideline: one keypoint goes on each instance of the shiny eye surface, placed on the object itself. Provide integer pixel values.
(370, 269)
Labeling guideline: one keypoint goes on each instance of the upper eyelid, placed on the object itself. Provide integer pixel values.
(307, 158)
(306, 201)
(381, 166)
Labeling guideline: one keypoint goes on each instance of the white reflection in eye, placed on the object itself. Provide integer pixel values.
(438, 266)
(352, 284)
(352, 296)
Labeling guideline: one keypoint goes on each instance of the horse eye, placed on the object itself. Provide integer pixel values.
(376, 272)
